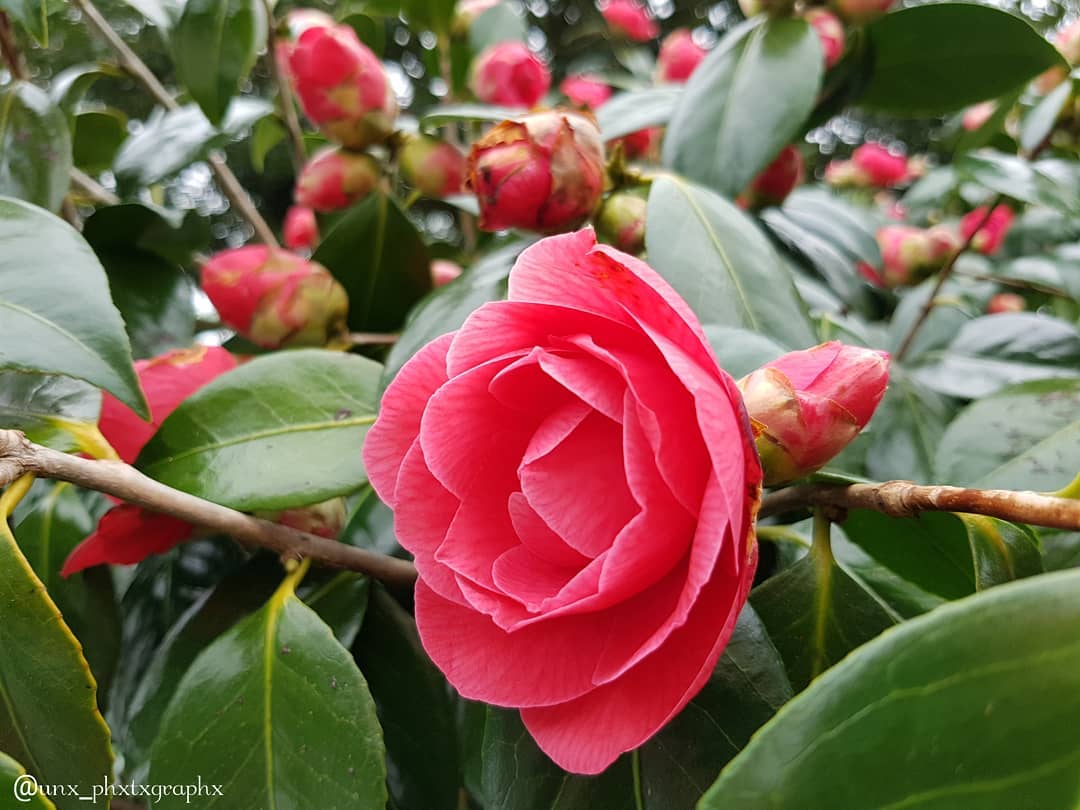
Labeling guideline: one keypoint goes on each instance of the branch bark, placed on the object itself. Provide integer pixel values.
(19, 456)
(288, 106)
(905, 499)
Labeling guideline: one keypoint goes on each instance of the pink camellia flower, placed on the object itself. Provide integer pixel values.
(511, 75)
(860, 11)
(543, 173)
(830, 31)
(679, 56)
(630, 19)
(1006, 302)
(127, 534)
(776, 181)
(577, 481)
(978, 114)
(300, 230)
(275, 298)
(881, 168)
(433, 167)
(810, 405)
(621, 221)
(342, 85)
(336, 178)
(585, 91)
(444, 271)
(986, 233)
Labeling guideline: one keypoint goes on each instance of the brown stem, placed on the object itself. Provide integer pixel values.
(19, 456)
(92, 188)
(288, 107)
(943, 276)
(130, 61)
(372, 338)
(1019, 284)
(905, 499)
(9, 50)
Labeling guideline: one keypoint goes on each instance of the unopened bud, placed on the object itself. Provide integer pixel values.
(511, 75)
(300, 230)
(629, 19)
(830, 31)
(776, 180)
(679, 56)
(621, 221)
(336, 178)
(585, 91)
(1006, 302)
(860, 11)
(433, 167)
(325, 519)
(987, 233)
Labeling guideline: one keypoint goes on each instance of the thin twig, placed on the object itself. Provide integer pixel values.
(135, 66)
(373, 338)
(9, 50)
(905, 499)
(1019, 284)
(943, 276)
(19, 456)
(288, 107)
(92, 188)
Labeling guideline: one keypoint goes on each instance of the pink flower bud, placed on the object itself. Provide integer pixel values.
(1067, 42)
(776, 180)
(830, 31)
(342, 86)
(679, 56)
(1006, 302)
(444, 271)
(543, 173)
(641, 144)
(621, 221)
(906, 252)
(977, 115)
(870, 274)
(275, 298)
(336, 178)
(511, 75)
(860, 11)
(881, 168)
(630, 19)
(433, 167)
(325, 519)
(845, 174)
(300, 230)
(810, 405)
(585, 91)
(989, 236)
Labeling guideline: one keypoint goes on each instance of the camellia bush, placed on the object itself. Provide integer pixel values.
(552, 406)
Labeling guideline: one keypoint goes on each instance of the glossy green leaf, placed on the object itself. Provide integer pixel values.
(740, 351)
(955, 306)
(919, 53)
(162, 13)
(50, 410)
(371, 524)
(341, 600)
(282, 684)
(456, 113)
(49, 718)
(634, 110)
(1025, 437)
(32, 15)
(414, 708)
(1040, 120)
(283, 430)
(14, 782)
(816, 613)
(434, 15)
(1061, 550)
(97, 138)
(142, 228)
(381, 260)
(903, 596)
(906, 431)
(500, 23)
(214, 45)
(716, 259)
(55, 305)
(942, 712)
(1019, 179)
(69, 86)
(744, 103)
(35, 146)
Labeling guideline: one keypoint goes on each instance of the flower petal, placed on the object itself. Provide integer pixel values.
(125, 535)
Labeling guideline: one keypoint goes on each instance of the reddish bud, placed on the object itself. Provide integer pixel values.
(325, 519)
(1006, 302)
(444, 271)
(621, 222)
(585, 91)
(630, 19)
(880, 167)
(845, 174)
(679, 56)
(336, 178)
(990, 234)
(1067, 42)
(776, 181)
(909, 254)
(342, 85)
(433, 167)
(275, 298)
(810, 404)
(543, 173)
(860, 11)
(830, 31)
(977, 115)
(511, 75)
(641, 144)
(301, 230)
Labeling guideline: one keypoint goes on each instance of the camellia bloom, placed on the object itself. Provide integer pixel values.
(776, 180)
(433, 167)
(300, 230)
(444, 271)
(126, 533)
(810, 405)
(577, 481)
(585, 91)
(336, 178)
(543, 173)
(275, 298)
(621, 221)
(679, 56)
(986, 233)
(830, 31)
(629, 19)
(342, 85)
(860, 11)
(511, 75)
(881, 168)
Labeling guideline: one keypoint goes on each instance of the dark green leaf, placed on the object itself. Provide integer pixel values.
(715, 258)
(32, 15)
(280, 683)
(341, 601)
(1040, 120)
(906, 430)
(162, 13)
(500, 23)
(57, 314)
(371, 524)
(939, 713)
(744, 103)
(283, 430)
(455, 113)
(12, 785)
(637, 109)
(70, 85)
(1019, 179)
(96, 139)
(938, 58)
(35, 146)
(381, 260)
(434, 15)
(50, 410)
(904, 597)
(1025, 437)
(142, 228)
(1061, 550)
